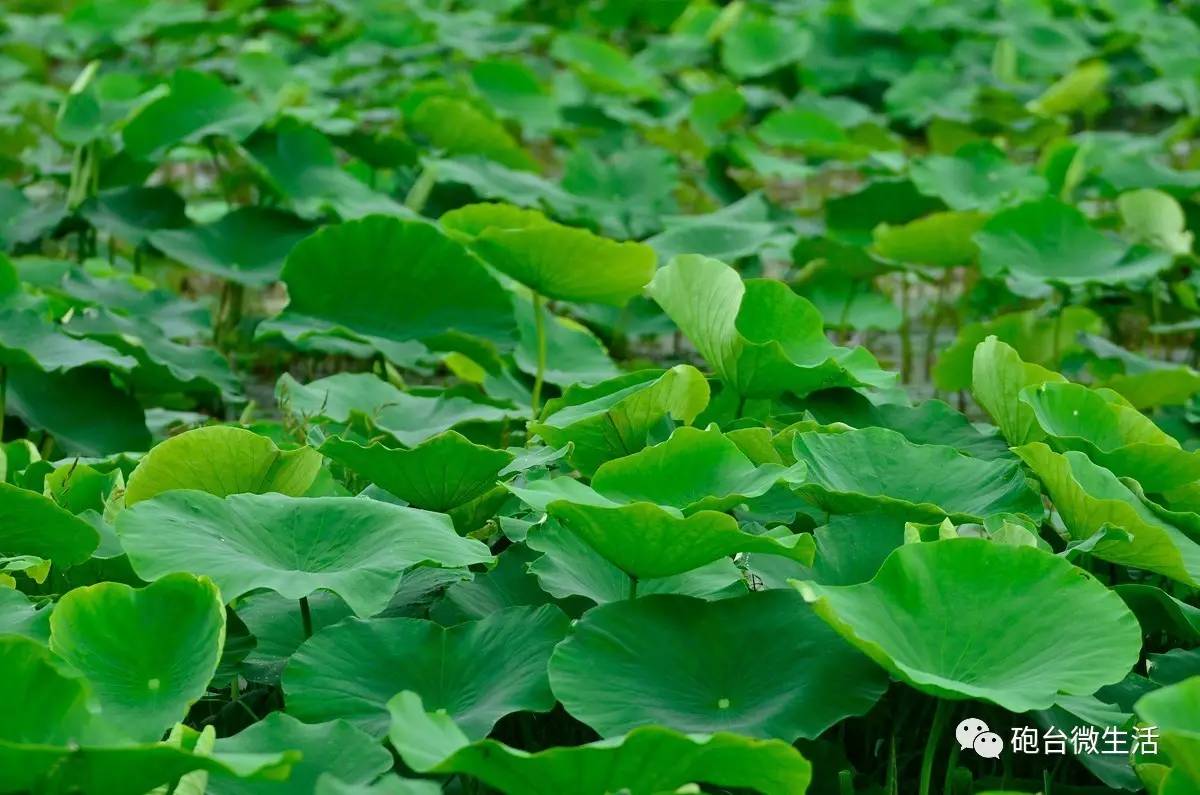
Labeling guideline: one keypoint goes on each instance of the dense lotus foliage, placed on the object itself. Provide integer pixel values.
(599, 398)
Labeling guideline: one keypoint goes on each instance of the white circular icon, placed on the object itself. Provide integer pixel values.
(988, 745)
(968, 730)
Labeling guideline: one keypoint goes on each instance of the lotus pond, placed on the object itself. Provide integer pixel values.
(606, 398)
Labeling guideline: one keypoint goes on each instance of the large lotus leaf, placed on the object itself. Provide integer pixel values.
(693, 470)
(302, 165)
(1175, 712)
(478, 672)
(1089, 497)
(760, 337)
(706, 667)
(356, 548)
(939, 239)
(567, 263)
(574, 355)
(977, 177)
(967, 618)
(758, 44)
(407, 417)
(619, 416)
(49, 401)
(52, 736)
(456, 127)
(516, 92)
(388, 785)
(148, 653)
(335, 748)
(196, 106)
(1113, 434)
(470, 221)
(997, 381)
(29, 339)
(570, 567)
(1156, 219)
(1159, 612)
(645, 541)
(1141, 380)
(647, 761)
(31, 524)
(441, 473)
(1048, 241)
(400, 280)
(222, 460)
(875, 467)
(20, 616)
(247, 246)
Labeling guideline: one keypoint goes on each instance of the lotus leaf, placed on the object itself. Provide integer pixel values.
(148, 653)
(356, 548)
(1174, 710)
(477, 672)
(978, 176)
(760, 337)
(196, 106)
(998, 380)
(247, 246)
(967, 618)
(875, 467)
(646, 761)
(31, 524)
(222, 461)
(709, 667)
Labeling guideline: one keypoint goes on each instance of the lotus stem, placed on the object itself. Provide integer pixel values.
(539, 325)
(905, 332)
(3, 398)
(632, 587)
(306, 617)
(940, 714)
(418, 194)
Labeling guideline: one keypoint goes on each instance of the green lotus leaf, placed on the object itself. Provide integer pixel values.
(148, 653)
(1156, 219)
(196, 106)
(31, 524)
(1175, 712)
(356, 548)
(248, 246)
(509, 583)
(940, 239)
(53, 738)
(1048, 241)
(570, 567)
(409, 418)
(567, 263)
(443, 472)
(471, 220)
(28, 339)
(851, 219)
(133, 214)
(739, 230)
(646, 542)
(619, 416)
(457, 127)
(1112, 434)
(978, 176)
(334, 749)
(1077, 89)
(693, 470)
(604, 67)
(875, 467)
(355, 274)
(278, 629)
(222, 460)
(1142, 381)
(477, 672)
(760, 337)
(302, 165)
(1088, 497)
(20, 616)
(707, 667)
(48, 401)
(1036, 336)
(758, 44)
(998, 379)
(970, 619)
(648, 761)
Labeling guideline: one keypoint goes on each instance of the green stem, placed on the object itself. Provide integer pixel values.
(931, 743)
(905, 332)
(632, 587)
(3, 398)
(539, 325)
(306, 617)
(418, 194)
